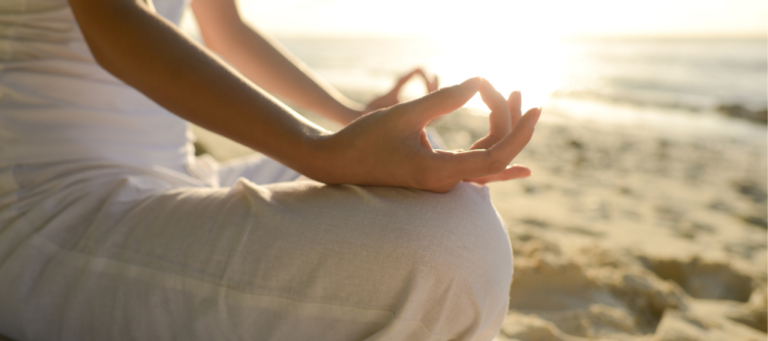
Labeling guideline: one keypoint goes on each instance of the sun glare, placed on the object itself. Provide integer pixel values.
(531, 66)
(517, 45)
(514, 52)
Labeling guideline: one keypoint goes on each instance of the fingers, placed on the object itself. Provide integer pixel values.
(512, 144)
(459, 165)
(484, 162)
(400, 82)
(431, 83)
(434, 84)
(443, 101)
(515, 101)
(500, 119)
(512, 172)
(501, 122)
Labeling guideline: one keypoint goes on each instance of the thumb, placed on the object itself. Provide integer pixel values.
(444, 101)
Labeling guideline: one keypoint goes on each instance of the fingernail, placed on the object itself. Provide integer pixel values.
(536, 119)
(472, 82)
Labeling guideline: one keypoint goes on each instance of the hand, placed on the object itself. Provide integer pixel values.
(389, 147)
(392, 97)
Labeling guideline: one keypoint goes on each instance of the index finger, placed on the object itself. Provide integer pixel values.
(443, 101)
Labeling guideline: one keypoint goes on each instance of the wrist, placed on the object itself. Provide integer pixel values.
(322, 155)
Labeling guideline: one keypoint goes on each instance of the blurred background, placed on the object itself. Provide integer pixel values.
(689, 63)
(645, 217)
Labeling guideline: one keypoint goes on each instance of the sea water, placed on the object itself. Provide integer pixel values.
(668, 81)
(674, 84)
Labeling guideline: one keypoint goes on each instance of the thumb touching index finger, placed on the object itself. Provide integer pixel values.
(445, 100)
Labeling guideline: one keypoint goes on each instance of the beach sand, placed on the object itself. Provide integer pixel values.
(633, 235)
(626, 232)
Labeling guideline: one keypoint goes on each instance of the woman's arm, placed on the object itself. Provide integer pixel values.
(385, 147)
(268, 64)
(147, 52)
(276, 70)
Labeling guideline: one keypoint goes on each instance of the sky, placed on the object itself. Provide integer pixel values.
(533, 19)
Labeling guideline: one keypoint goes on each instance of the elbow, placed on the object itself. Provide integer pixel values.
(103, 25)
(101, 56)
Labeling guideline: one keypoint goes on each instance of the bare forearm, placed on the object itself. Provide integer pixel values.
(268, 64)
(148, 53)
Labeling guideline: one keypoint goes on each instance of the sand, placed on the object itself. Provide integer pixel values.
(628, 231)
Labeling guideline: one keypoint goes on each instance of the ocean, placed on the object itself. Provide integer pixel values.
(672, 83)
(627, 80)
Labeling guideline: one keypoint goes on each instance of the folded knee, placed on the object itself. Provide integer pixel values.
(460, 261)
(464, 234)
(441, 259)
(459, 231)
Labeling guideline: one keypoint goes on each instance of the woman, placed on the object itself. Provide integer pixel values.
(111, 229)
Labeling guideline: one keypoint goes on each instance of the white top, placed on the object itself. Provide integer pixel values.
(57, 104)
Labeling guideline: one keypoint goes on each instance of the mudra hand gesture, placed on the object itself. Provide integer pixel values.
(389, 146)
(393, 96)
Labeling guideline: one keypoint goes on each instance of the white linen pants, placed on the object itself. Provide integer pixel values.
(96, 251)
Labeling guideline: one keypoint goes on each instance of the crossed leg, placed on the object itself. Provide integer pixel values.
(286, 261)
